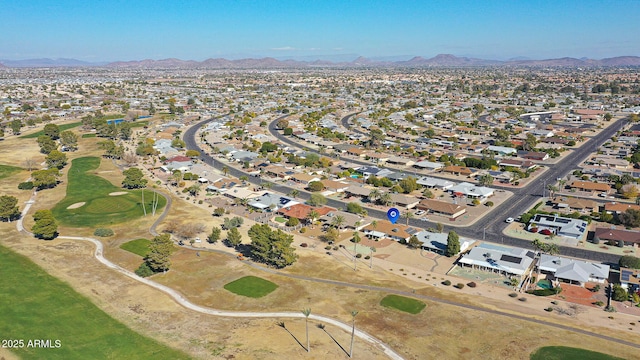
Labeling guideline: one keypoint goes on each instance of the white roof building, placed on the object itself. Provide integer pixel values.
(508, 261)
(572, 270)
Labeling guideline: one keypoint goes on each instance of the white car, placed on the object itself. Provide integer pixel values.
(419, 212)
(424, 219)
(509, 220)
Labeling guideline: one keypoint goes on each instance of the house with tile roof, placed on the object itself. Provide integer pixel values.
(572, 271)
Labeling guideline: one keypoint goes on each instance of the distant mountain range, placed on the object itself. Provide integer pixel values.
(442, 60)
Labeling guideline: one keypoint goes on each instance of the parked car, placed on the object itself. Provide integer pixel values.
(424, 219)
(509, 220)
(419, 212)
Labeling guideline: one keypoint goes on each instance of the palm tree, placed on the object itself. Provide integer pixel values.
(374, 224)
(353, 330)
(225, 170)
(552, 190)
(356, 239)
(408, 215)
(266, 185)
(338, 221)
(313, 216)
(306, 313)
(374, 195)
(194, 189)
(385, 199)
(293, 193)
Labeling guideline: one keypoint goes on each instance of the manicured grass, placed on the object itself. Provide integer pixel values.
(280, 219)
(100, 207)
(251, 286)
(8, 170)
(569, 353)
(62, 128)
(36, 305)
(141, 123)
(86, 136)
(402, 303)
(137, 246)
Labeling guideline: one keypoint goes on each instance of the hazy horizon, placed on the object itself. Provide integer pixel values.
(291, 29)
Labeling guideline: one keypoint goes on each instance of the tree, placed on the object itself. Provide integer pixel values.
(552, 189)
(69, 140)
(374, 195)
(353, 331)
(214, 236)
(354, 208)
(225, 170)
(530, 142)
(485, 180)
(408, 185)
(177, 143)
(414, 242)
(194, 189)
(629, 191)
(192, 153)
(111, 150)
(45, 226)
(282, 124)
(133, 179)
(52, 131)
(160, 251)
(234, 237)
(356, 239)
(306, 313)
(312, 217)
(315, 186)
(337, 221)
(56, 159)
(385, 199)
(45, 179)
(293, 221)
(293, 193)
(9, 208)
(219, 211)
(408, 215)
(628, 261)
(317, 200)
(619, 293)
(440, 227)
(630, 218)
(46, 144)
(15, 126)
(272, 247)
(453, 244)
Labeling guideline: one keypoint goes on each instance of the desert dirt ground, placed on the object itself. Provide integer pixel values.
(446, 330)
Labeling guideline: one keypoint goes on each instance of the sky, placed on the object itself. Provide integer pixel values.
(110, 30)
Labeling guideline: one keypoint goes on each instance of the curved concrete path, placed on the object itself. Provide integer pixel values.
(98, 254)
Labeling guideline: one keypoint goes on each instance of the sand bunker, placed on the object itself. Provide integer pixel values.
(76, 205)
(118, 193)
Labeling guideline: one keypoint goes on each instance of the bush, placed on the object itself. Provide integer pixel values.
(328, 247)
(459, 285)
(27, 185)
(513, 295)
(358, 256)
(367, 257)
(303, 230)
(472, 284)
(292, 221)
(549, 309)
(598, 303)
(219, 211)
(446, 283)
(523, 299)
(489, 203)
(546, 292)
(630, 262)
(144, 270)
(102, 232)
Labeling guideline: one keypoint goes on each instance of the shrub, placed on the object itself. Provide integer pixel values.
(459, 285)
(598, 303)
(513, 295)
(472, 284)
(304, 245)
(292, 221)
(549, 309)
(489, 203)
(200, 202)
(328, 247)
(303, 230)
(358, 256)
(335, 248)
(523, 299)
(629, 261)
(102, 232)
(144, 270)
(546, 292)
(367, 257)
(219, 211)
(446, 283)
(27, 185)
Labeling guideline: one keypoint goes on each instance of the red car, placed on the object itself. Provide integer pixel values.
(545, 232)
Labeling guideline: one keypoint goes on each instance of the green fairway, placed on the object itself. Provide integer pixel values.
(8, 170)
(137, 246)
(251, 286)
(35, 305)
(62, 128)
(402, 303)
(100, 208)
(569, 353)
(86, 136)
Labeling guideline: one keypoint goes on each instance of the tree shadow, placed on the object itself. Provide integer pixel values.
(322, 327)
(282, 325)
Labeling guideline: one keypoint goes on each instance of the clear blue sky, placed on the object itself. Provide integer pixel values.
(107, 30)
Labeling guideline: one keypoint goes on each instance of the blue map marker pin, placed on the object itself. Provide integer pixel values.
(393, 214)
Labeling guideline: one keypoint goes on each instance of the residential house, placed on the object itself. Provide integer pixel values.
(499, 259)
(301, 211)
(472, 191)
(574, 204)
(561, 226)
(572, 271)
(620, 237)
(334, 186)
(358, 190)
(437, 242)
(533, 155)
(385, 229)
(459, 170)
(589, 186)
(304, 178)
(270, 201)
(431, 182)
(442, 208)
(630, 279)
(404, 201)
(618, 208)
(428, 165)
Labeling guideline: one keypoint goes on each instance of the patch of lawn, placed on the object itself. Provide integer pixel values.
(137, 246)
(62, 128)
(569, 353)
(142, 123)
(100, 208)
(36, 305)
(8, 170)
(402, 303)
(251, 286)
(86, 136)
(280, 219)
